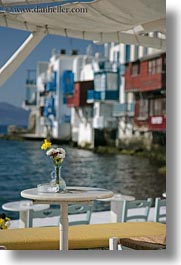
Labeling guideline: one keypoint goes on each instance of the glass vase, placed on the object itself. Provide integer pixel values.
(60, 183)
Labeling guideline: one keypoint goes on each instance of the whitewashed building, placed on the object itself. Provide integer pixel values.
(52, 87)
(82, 97)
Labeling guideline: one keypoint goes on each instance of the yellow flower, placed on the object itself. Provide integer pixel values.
(3, 224)
(47, 144)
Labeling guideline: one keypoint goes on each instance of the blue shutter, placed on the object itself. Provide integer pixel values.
(51, 85)
(127, 48)
(49, 108)
(54, 79)
(67, 82)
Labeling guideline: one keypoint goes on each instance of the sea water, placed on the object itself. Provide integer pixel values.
(23, 165)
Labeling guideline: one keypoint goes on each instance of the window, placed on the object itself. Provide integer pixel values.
(155, 66)
(164, 64)
(143, 108)
(127, 53)
(145, 51)
(96, 111)
(100, 82)
(112, 81)
(158, 106)
(135, 69)
(136, 51)
(106, 81)
(116, 56)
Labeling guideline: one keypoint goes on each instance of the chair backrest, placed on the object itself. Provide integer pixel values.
(137, 204)
(51, 212)
(159, 215)
(80, 209)
(72, 210)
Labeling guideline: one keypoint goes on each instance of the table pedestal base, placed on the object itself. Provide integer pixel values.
(63, 227)
(116, 211)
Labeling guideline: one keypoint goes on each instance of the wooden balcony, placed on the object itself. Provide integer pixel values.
(141, 76)
(79, 97)
(157, 123)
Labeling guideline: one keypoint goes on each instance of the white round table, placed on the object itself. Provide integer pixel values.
(23, 208)
(117, 205)
(73, 194)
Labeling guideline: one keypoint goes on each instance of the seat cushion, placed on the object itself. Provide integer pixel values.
(80, 237)
(144, 243)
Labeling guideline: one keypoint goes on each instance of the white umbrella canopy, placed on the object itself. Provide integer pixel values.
(105, 21)
(25, 2)
(123, 21)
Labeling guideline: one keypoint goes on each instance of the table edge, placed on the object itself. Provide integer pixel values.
(35, 197)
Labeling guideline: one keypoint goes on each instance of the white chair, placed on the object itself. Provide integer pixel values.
(72, 210)
(160, 210)
(144, 205)
(80, 209)
(51, 212)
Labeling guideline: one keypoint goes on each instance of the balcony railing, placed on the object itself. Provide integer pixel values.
(93, 95)
(123, 109)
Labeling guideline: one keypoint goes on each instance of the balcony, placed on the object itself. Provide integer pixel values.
(79, 98)
(124, 109)
(157, 123)
(106, 87)
(147, 75)
(93, 95)
(31, 90)
(31, 97)
(102, 122)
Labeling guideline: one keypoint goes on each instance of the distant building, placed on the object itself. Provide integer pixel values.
(92, 103)
(49, 113)
(108, 99)
(128, 56)
(146, 80)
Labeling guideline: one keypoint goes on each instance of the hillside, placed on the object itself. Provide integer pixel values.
(12, 115)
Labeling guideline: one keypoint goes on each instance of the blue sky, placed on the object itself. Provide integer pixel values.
(13, 91)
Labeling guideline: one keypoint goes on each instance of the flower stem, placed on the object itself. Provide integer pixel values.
(57, 171)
